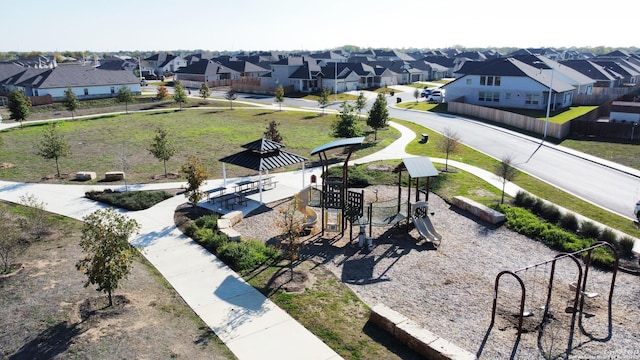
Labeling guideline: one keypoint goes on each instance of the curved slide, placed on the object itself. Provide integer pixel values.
(423, 223)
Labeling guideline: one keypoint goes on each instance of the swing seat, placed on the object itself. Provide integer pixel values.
(590, 295)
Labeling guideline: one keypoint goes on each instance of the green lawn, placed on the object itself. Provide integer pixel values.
(102, 143)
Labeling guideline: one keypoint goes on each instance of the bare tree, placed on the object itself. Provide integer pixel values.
(230, 95)
(11, 245)
(506, 172)
(448, 145)
(291, 226)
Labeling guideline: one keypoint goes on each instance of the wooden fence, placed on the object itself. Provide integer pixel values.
(522, 122)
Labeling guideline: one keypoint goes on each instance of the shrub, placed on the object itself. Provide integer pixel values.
(208, 222)
(129, 200)
(589, 229)
(607, 235)
(524, 200)
(625, 246)
(551, 213)
(246, 255)
(202, 235)
(569, 221)
(190, 229)
(601, 257)
(538, 206)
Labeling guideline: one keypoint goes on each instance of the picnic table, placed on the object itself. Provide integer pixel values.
(220, 190)
(232, 199)
(254, 184)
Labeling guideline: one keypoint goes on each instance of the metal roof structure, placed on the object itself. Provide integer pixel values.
(337, 144)
(418, 167)
(263, 154)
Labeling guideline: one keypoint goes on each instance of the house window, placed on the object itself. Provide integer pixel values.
(489, 96)
(113, 90)
(532, 99)
(36, 92)
(490, 80)
(86, 91)
(468, 81)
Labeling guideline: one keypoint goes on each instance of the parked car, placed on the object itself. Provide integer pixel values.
(636, 211)
(144, 82)
(434, 97)
(150, 77)
(425, 93)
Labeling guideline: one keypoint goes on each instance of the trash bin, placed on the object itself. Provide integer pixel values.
(425, 138)
(398, 100)
(393, 92)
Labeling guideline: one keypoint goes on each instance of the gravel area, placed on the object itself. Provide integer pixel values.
(449, 289)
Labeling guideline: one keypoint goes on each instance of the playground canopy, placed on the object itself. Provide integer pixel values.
(262, 155)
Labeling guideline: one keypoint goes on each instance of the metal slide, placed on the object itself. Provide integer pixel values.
(423, 224)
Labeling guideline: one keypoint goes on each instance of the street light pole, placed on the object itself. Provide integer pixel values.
(546, 124)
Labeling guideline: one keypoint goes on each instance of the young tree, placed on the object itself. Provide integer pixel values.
(162, 92)
(347, 123)
(291, 227)
(416, 94)
(323, 99)
(204, 91)
(272, 133)
(196, 175)
(35, 222)
(161, 147)
(448, 145)
(19, 105)
(70, 101)
(279, 96)
(108, 254)
(378, 115)
(11, 245)
(179, 94)
(53, 145)
(506, 172)
(361, 102)
(126, 96)
(230, 95)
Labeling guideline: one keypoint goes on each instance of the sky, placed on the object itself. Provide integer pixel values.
(233, 25)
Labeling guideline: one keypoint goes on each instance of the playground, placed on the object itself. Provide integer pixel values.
(448, 289)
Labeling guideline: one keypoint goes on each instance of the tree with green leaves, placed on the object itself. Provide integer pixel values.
(279, 96)
(126, 96)
(196, 175)
(273, 133)
(505, 170)
(416, 94)
(204, 91)
(323, 99)
(53, 145)
(179, 94)
(449, 144)
(361, 103)
(70, 101)
(162, 92)
(19, 105)
(378, 114)
(108, 255)
(346, 125)
(162, 148)
(230, 95)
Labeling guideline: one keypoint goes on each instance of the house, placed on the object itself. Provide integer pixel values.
(509, 83)
(345, 80)
(300, 73)
(582, 83)
(163, 63)
(87, 82)
(209, 71)
(624, 111)
(601, 77)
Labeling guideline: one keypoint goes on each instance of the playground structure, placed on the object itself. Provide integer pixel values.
(340, 205)
(310, 217)
(550, 317)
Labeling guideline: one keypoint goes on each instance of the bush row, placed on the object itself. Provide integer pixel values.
(129, 200)
(568, 221)
(242, 256)
(526, 223)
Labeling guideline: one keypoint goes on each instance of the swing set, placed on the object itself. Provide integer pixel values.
(577, 287)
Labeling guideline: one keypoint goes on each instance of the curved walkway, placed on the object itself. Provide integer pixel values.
(247, 322)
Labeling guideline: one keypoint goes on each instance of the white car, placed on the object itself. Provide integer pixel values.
(425, 93)
(434, 97)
